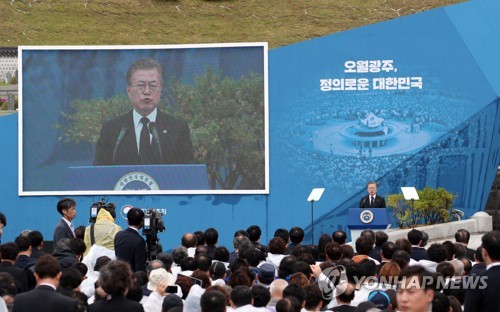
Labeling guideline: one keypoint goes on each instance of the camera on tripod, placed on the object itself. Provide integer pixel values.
(94, 209)
(153, 224)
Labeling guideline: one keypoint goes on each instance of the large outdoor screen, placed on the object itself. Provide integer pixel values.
(183, 119)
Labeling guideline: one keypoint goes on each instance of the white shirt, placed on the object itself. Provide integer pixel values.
(138, 125)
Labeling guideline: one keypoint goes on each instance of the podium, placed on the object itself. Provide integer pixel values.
(359, 219)
(138, 178)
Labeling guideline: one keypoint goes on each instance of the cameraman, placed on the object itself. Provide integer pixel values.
(129, 244)
(104, 229)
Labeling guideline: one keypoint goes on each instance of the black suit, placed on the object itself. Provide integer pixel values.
(418, 253)
(20, 276)
(61, 231)
(365, 202)
(116, 304)
(43, 299)
(175, 141)
(487, 299)
(131, 247)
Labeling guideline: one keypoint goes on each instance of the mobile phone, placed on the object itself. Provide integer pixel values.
(171, 289)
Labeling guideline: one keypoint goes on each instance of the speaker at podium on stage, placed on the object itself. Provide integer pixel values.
(371, 213)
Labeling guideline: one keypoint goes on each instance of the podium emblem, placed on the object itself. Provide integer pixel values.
(366, 216)
(136, 181)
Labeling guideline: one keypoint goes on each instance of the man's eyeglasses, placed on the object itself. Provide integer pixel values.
(141, 87)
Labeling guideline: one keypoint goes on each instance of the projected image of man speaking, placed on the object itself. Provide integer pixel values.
(144, 135)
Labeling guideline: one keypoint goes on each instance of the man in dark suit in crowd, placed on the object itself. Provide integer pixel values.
(144, 135)
(64, 228)
(417, 252)
(129, 244)
(8, 254)
(462, 236)
(372, 200)
(45, 298)
(36, 238)
(486, 299)
(345, 294)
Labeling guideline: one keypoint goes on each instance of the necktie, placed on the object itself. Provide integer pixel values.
(372, 201)
(145, 143)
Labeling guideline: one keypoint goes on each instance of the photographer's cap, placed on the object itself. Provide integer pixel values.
(159, 275)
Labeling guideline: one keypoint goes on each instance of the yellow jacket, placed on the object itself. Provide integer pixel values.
(105, 230)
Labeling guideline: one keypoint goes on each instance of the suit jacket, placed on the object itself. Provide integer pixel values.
(344, 308)
(20, 276)
(61, 231)
(175, 141)
(418, 253)
(43, 299)
(116, 304)
(131, 247)
(365, 202)
(486, 299)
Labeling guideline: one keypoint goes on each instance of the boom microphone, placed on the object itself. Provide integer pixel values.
(123, 131)
(154, 131)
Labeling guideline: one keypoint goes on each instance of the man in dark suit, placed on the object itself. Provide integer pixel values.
(44, 297)
(345, 294)
(129, 244)
(462, 236)
(372, 200)
(9, 253)
(417, 252)
(144, 135)
(486, 299)
(64, 228)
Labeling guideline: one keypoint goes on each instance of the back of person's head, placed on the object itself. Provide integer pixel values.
(345, 292)
(47, 266)
(204, 262)
(389, 271)
(261, 296)
(414, 236)
(178, 254)
(3, 219)
(100, 262)
(296, 235)
(141, 278)
(81, 267)
(200, 237)
(241, 295)
(153, 265)
(211, 236)
(364, 245)
(455, 305)
(462, 236)
(424, 279)
(65, 204)
(277, 286)
(286, 266)
(491, 244)
(339, 237)
(221, 254)
(437, 253)
(135, 217)
(295, 291)
(404, 244)
(185, 283)
(370, 267)
(347, 251)
(23, 243)
(70, 278)
(369, 233)
(217, 270)
(170, 302)
(446, 269)
(36, 238)
(302, 267)
(458, 267)
(241, 233)
(213, 301)
(450, 247)
(77, 246)
(254, 233)
(380, 238)
(467, 265)
(425, 239)
(307, 258)
(203, 277)
(388, 249)
(283, 234)
(324, 239)
(277, 246)
(366, 306)
(116, 278)
(240, 277)
(167, 260)
(440, 303)
(401, 257)
(299, 278)
(314, 297)
(240, 239)
(201, 250)
(289, 304)
(333, 251)
(9, 251)
(189, 240)
(189, 264)
(460, 250)
(253, 256)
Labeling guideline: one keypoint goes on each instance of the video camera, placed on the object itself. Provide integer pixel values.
(94, 209)
(153, 224)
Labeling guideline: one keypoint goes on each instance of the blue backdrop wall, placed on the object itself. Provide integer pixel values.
(411, 101)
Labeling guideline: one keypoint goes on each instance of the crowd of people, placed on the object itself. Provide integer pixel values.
(106, 268)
